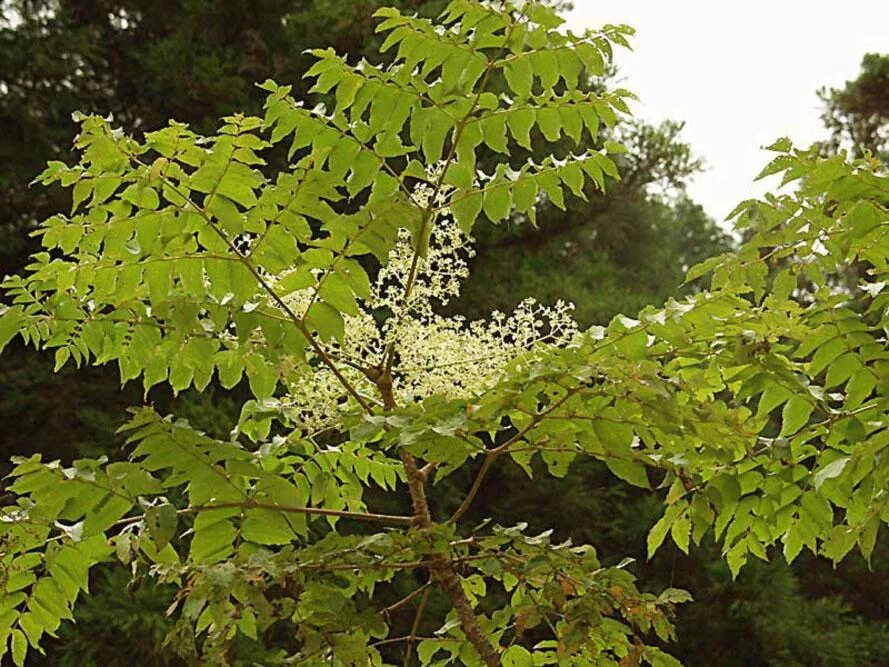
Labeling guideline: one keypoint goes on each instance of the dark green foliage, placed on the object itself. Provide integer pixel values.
(121, 624)
(808, 614)
(615, 256)
(857, 114)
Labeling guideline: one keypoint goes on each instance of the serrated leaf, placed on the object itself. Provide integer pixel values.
(19, 644)
(497, 203)
(660, 529)
(494, 132)
(519, 76)
(680, 531)
(520, 123)
(230, 366)
(793, 544)
(326, 320)
(466, 206)
(261, 375)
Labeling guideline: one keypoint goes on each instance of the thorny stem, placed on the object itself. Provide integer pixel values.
(443, 570)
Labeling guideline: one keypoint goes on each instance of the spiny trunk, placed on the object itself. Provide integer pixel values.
(442, 572)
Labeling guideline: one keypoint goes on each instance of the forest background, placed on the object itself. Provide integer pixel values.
(195, 61)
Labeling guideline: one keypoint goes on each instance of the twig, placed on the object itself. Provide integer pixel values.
(407, 598)
(414, 627)
(493, 454)
(290, 509)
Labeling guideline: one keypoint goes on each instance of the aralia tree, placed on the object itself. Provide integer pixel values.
(759, 405)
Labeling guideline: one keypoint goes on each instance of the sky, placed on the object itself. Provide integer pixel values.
(740, 74)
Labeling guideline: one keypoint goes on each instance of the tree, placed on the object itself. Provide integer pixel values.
(857, 115)
(759, 404)
(130, 58)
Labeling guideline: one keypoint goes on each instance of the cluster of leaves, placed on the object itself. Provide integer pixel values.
(759, 404)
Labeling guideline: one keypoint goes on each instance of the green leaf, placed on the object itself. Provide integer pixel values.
(736, 557)
(10, 321)
(660, 529)
(859, 388)
(830, 471)
(19, 647)
(550, 123)
(551, 185)
(213, 536)
(61, 357)
(497, 203)
(793, 543)
(524, 193)
(226, 213)
(517, 656)
(675, 596)
(519, 76)
(546, 67)
(466, 206)
(773, 396)
(520, 123)
(629, 471)
(326, 320)
(842, 369)
(262, 376)
(230, 365)
(336, 290)
(105, 513)
(680, 531)
(494, 133)
(265, 526)
(141, 195)
(795, 415)
(161, 521)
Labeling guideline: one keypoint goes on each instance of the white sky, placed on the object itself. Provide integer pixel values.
(741, 74)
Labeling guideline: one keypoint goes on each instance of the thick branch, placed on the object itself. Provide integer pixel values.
(450, 583)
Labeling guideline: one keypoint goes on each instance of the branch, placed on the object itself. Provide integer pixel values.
(406, 599)
(493, 454)
(415, 626)
(490, 457)
(290, 509)
(297, 321)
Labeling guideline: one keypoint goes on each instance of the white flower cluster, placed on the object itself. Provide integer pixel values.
(433, 355)
(454, 358)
